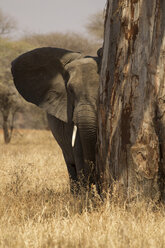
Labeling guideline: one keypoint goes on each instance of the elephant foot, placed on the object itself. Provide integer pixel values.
(81, 182)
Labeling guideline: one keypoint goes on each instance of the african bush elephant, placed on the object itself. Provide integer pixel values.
(65, 84)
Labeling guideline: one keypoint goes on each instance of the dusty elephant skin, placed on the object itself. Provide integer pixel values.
(65, 84)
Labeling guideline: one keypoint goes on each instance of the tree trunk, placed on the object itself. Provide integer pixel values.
(131, 111)
(7, 128)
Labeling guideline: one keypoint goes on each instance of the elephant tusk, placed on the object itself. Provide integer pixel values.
(74, 135)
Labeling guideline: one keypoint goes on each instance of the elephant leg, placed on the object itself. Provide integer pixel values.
(74, 182)
(72, 171)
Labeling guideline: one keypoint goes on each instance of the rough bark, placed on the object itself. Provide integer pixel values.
(131, 111)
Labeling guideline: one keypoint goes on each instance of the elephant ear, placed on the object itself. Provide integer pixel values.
(40, 77)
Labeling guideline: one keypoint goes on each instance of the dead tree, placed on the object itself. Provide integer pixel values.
(131, 108)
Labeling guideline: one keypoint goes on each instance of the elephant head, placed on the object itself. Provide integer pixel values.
(65, 84)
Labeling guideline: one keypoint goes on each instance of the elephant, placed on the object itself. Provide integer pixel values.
(65, 84)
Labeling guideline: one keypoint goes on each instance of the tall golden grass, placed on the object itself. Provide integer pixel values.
(37, 210)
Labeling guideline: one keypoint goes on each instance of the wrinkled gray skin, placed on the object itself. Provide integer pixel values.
(65, 84)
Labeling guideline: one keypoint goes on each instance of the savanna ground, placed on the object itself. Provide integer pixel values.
(37, 210)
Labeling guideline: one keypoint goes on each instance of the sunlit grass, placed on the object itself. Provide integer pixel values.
(37, 210)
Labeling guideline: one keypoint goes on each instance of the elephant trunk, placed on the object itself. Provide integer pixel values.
(86, 120)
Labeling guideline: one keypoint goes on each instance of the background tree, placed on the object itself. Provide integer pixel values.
(10, 104)
(7, 24)
(95, 25)
(70, 41)
(131, 116)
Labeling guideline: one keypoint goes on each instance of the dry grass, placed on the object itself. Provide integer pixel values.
(36, 209)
